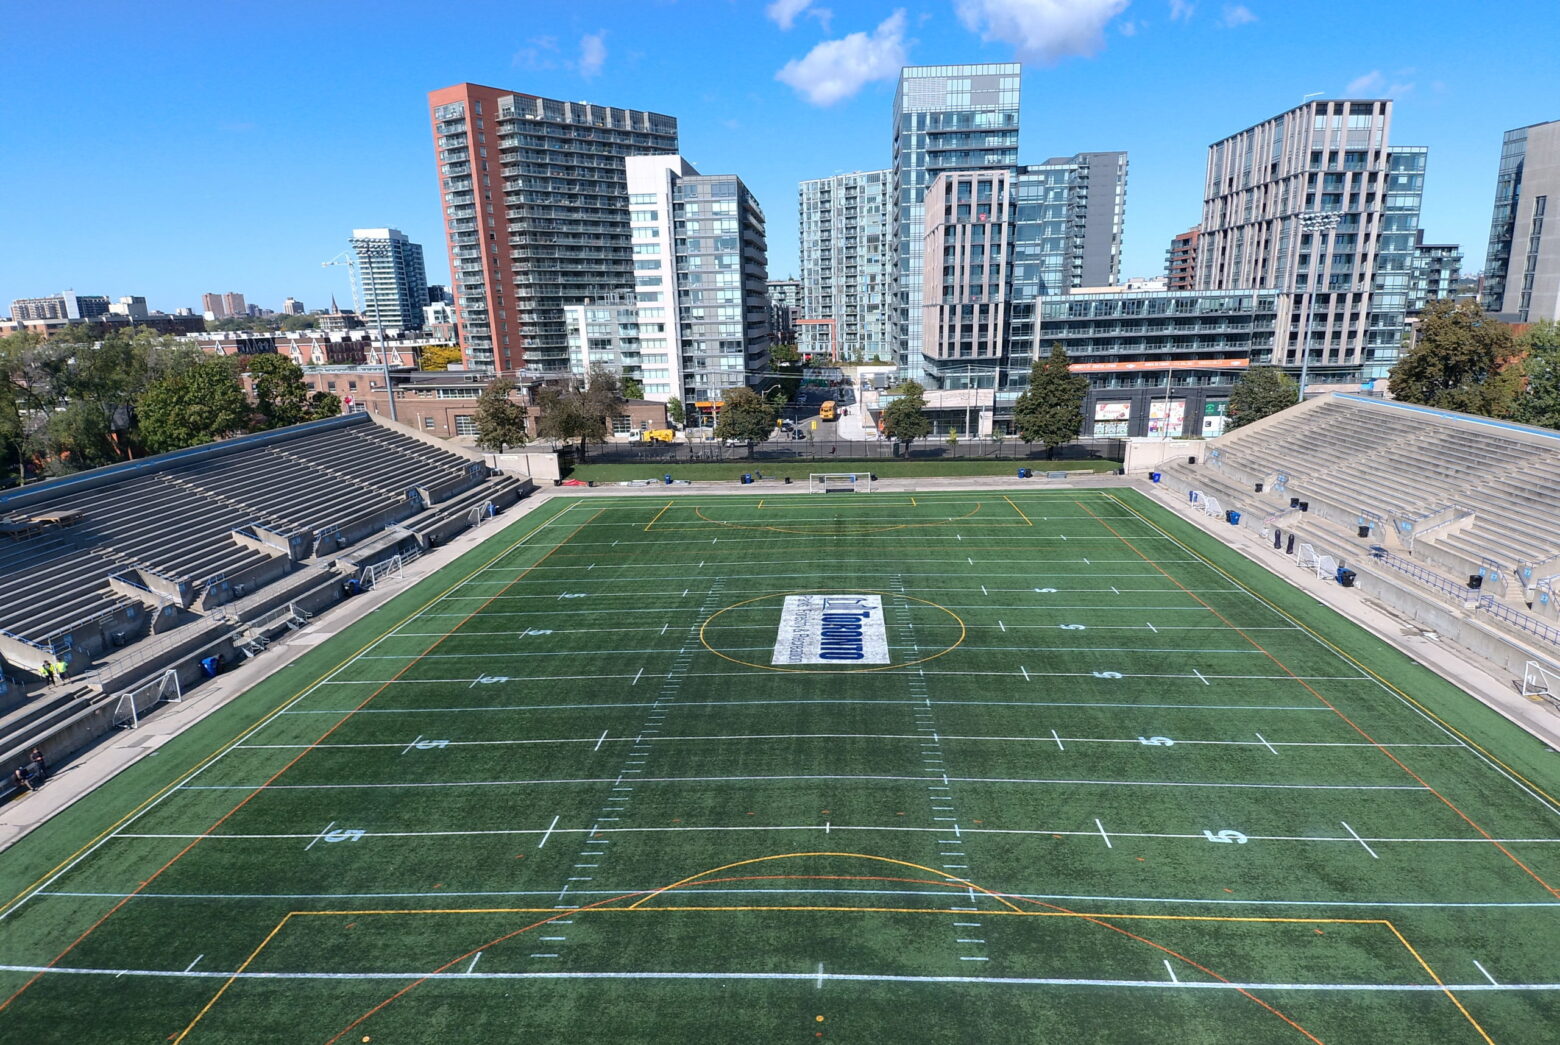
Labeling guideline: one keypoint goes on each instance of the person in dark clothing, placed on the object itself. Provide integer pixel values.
(40, 767)
(19, 778)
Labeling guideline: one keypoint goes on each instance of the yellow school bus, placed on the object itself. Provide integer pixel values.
(826, 412)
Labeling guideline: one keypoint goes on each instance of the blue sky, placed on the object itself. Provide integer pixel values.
(173, 148)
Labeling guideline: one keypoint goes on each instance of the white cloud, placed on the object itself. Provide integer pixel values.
(593, 53)
(1181, 10)
(837, 69)
(1364, 86)
(540, 52)
(783, 12)
(1236, 15)
(1042, 30)
(1129, 28)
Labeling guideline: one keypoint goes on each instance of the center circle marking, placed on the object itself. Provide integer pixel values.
(822, 670)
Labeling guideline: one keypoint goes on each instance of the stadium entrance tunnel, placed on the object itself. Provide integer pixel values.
(832, 631)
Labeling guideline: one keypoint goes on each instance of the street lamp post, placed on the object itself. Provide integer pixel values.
(1318, 224)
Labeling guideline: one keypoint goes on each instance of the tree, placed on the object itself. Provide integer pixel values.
(78, 437)
(1461, 360)
(633, 388)
(904, 418)
(439, 357)
(674, 412)
(1050, 410)
(1259, 392)
(299, 323)
(280, 394)
(500, 420)
(783, 355)
(572, 411)
(1540, 404)
(197, 405)
(324, 404)
(745, 416)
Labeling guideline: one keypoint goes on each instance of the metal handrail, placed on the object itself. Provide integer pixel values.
(1516, 618)
(1429, 578)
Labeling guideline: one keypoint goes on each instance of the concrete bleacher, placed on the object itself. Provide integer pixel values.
(91, 559)
(1462, 492)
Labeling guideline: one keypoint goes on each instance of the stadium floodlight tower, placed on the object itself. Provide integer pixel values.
(349, 258)
(1317, 224)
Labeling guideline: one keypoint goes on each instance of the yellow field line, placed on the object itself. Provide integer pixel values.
(657, 516)
(1439, 983)
(230, 980)
(1363, 667)
(1017, 509)
(266, 717)
(296, 759)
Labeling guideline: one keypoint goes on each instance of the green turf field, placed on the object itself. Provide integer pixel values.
(1112, 784)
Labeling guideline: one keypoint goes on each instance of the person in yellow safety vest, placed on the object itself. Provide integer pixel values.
(59, 671)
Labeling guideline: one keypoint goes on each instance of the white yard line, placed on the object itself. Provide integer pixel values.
(1486, 973)
(548, 833)
(984, 981)
(1360, 840)
(1273, 749)
(1102, 833)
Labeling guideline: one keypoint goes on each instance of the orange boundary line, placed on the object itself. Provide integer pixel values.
(259, 723)
(948, 880)
(1345, 656)
(294, 761)
(1352, 725)
(1334, 709)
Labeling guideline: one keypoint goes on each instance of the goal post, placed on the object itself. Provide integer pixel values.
(1540, 683)
(839, 482)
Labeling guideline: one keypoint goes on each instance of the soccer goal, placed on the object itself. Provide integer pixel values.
(130, 705)
(1539, 683)
(839, 482)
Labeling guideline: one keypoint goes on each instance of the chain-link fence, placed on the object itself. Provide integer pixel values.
(824, 450)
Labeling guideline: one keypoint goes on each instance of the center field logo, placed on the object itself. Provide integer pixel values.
(831, 629)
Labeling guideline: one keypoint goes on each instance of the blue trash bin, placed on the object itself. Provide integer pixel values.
(747, 477)
(1233, 517)
(1024, 473)
(1153, 477)
(209, 667)
(667, 479)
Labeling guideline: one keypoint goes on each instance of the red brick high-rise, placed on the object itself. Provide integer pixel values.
(536, 214)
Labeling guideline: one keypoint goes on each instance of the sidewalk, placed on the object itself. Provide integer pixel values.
(1461, 668)
(96, 765)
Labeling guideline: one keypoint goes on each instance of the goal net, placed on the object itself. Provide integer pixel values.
(839, 482)
(130, 705)
(1538, 683)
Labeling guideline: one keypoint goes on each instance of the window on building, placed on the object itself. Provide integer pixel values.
(465, 425)
(428, 422)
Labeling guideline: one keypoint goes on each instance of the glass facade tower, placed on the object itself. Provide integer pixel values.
(1522, 267)
(946, 118)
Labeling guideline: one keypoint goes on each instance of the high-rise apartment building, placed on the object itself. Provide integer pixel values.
(700, 279)
(1329, 165)
(846, 257)
(392, 282)
(65, 305)
(1181, 260)
(536, 214)
(292, 307)
(946, 118)
(233, 304)
(1437, 267)
(1522, 266)
(785, 306)
(997, 241)
(211, 305)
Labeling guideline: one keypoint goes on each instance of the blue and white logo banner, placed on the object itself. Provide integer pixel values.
(831, 629)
